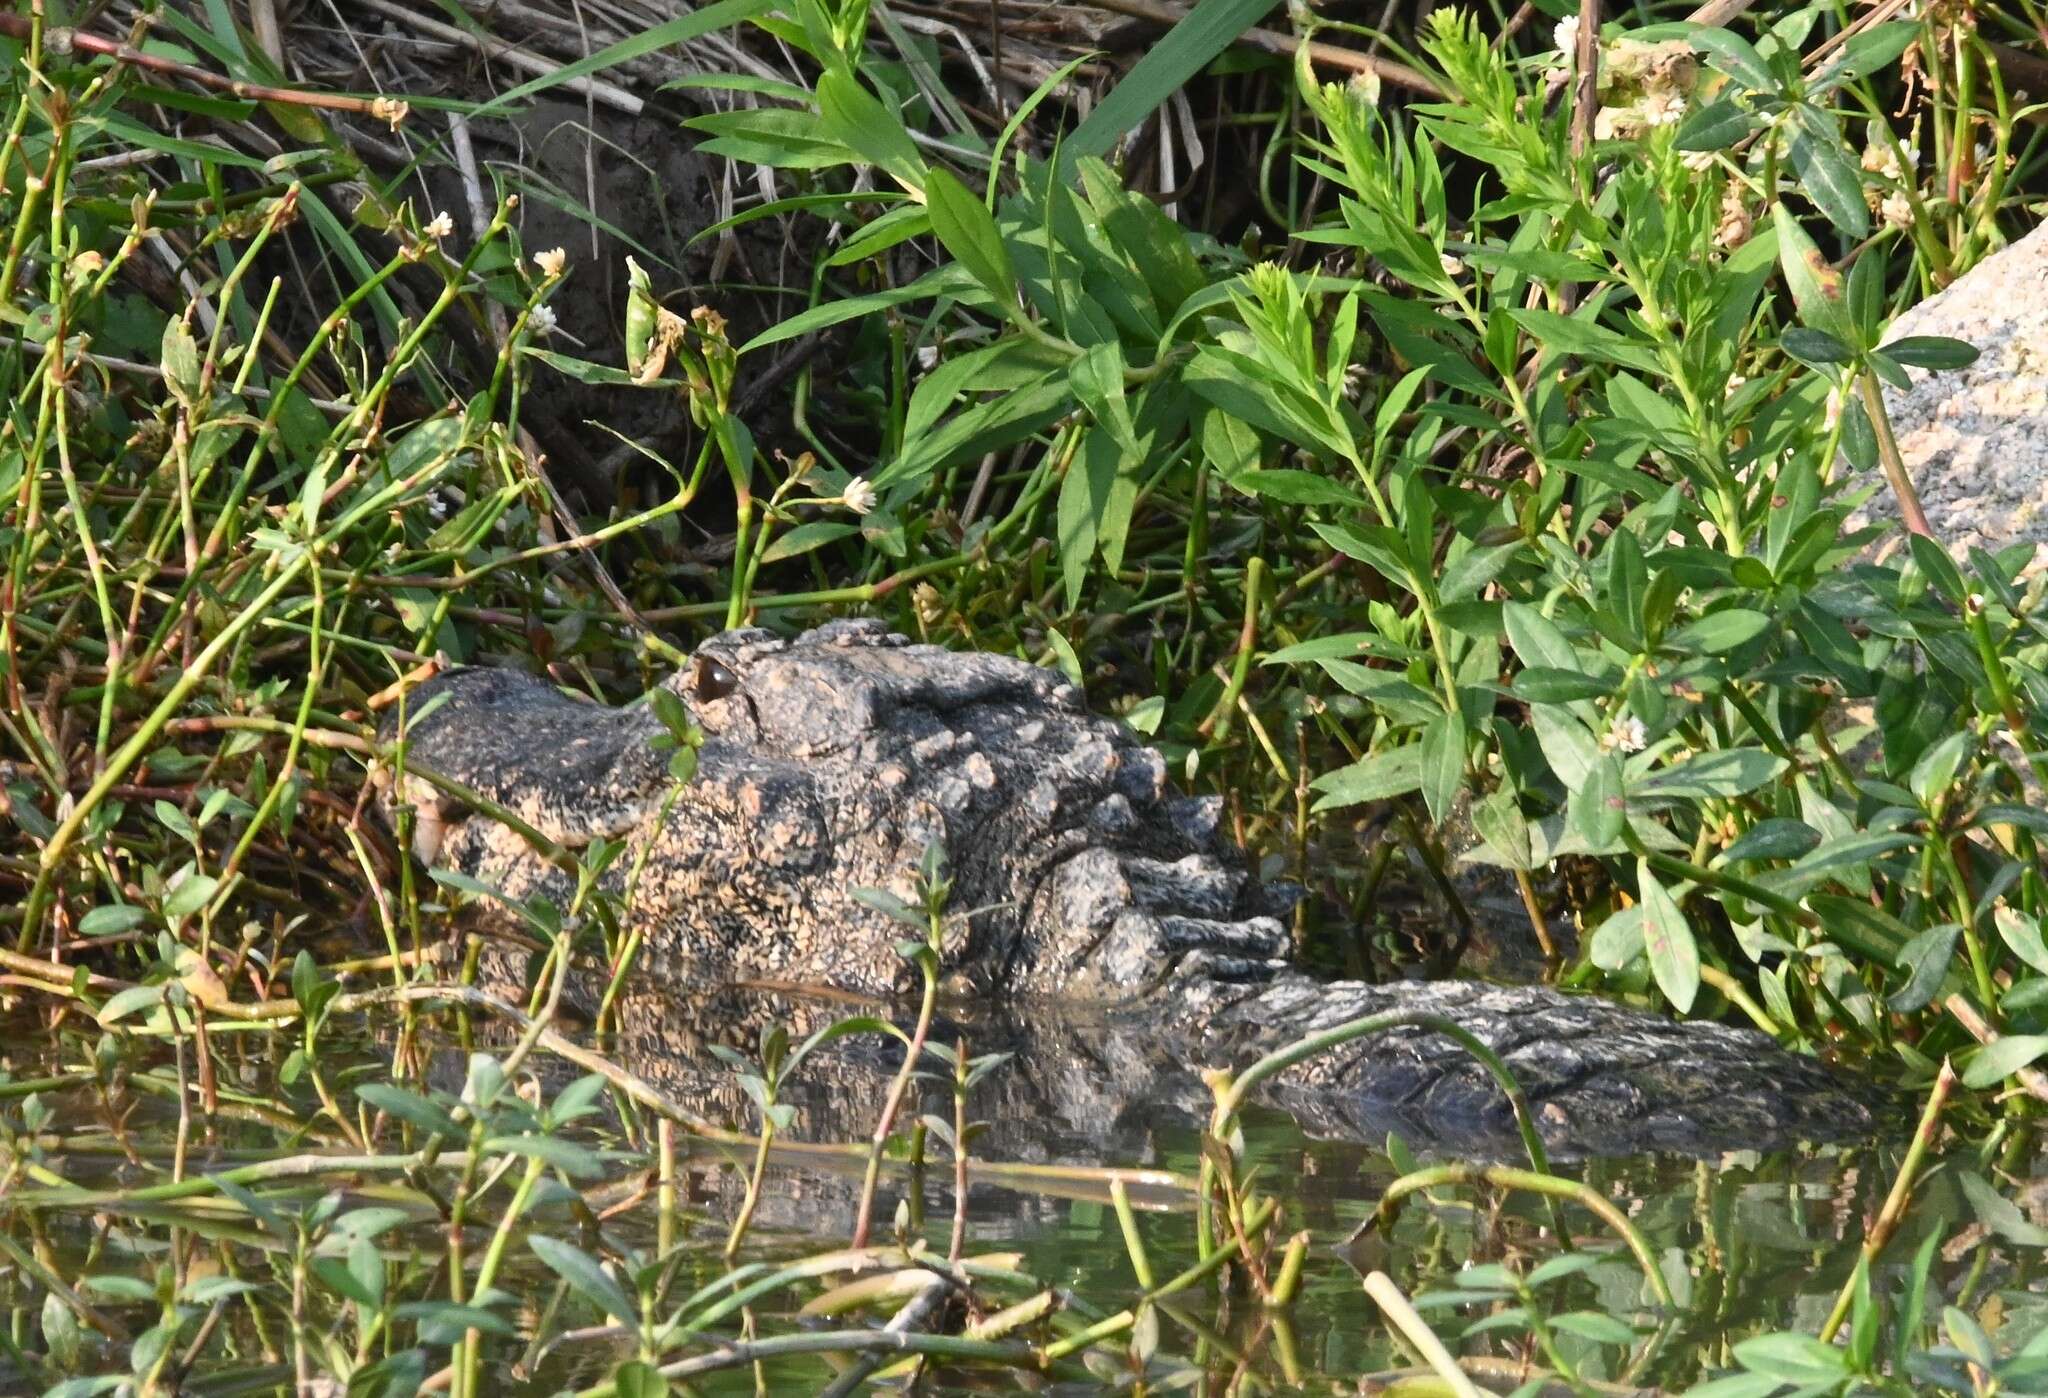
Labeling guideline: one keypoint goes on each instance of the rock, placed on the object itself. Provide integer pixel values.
(1975, 440)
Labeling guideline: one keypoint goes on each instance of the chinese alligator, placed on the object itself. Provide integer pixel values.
(1080, 878)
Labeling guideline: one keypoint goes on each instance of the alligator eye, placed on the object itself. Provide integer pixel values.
(712, 680)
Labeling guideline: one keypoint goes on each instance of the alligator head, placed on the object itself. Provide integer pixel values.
(829, 763)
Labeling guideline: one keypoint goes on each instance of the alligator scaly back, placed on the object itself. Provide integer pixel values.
(831, 761)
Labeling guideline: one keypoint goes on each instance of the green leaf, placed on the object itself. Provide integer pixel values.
(1815, 284)
(1618, 941)
(1999, 1213)
(1209, 27)
(1441, 765)
(1499, 821)
(1720, 772)
(1292, 487)
(1776, 838)
(2023, 934)
(1543, 685)
(181, 361)
(1667, 937)
(592, 1282)
(963, 223)
(1792, 1358)
(945, 281)
(1597, 809)
(123, 1003)
(577, 1162)
(1571, 751)
(1377, 777)
(636, 1379)
(1864, 54)
(111, 920)
(410, 1107)
(1719, 632)
(445, 1322)
(680, 30)
(859, 121)
(193, 892)
(1997, 1061)
(1585, 338)
(1827, 173)
(811, 534)
(1593, 1325)
(1732, 54)
(1098, 380)
(1932, 352)
(1815, 348)
(1926, 960)
(1716, 126)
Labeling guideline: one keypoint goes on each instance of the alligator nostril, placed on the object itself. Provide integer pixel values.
(712, 680)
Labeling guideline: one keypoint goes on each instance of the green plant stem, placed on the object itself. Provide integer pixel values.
(1899, 1197)
(1232, 1090)
(1552, 1186)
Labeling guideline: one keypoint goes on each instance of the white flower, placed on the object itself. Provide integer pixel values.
(1897, 209)
(1697, 161)
(542, 321)
(1453, 267)
(1566, 37)
(551, 262)
(440, 226)
(1625, 735)
(1365, 86)
(1664, 106)
(859, 497)
(1882, 159)
(927, 358)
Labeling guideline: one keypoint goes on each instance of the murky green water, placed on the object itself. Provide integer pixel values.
(1745, 1244)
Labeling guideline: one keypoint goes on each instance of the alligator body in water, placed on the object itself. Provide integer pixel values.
(1081, 877)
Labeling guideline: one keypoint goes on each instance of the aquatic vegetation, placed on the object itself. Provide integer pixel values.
(1459, 470)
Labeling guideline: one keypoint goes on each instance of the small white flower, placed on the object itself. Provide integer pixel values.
(1356, 377)
(1664, 106)
(1697, 161)
(1365, 86)
(927, 358)
(1566, 37)
(1881, 158)
(860, 497)
(551, 262)
(1897, 209)
(542, 321)
(1625, 735)
(439, 226)
(1453, 267)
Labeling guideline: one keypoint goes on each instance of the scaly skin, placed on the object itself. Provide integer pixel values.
(1080, 878)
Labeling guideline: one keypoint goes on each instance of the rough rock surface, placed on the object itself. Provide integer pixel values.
(1080, 878)
(1975, 440)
